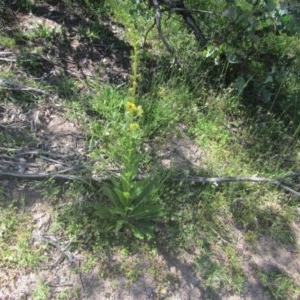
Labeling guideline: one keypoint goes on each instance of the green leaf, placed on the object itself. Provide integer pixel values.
(101, 211)
(137, 233)
(143, 231)
(147, 212)
(271, 4)
(244, 5)
(126, 195)
(119, 194)
(115, 182)
(147, 188)
(111, 195)
(118, 211)
(124, 202)
(119, 225)
(126, 181)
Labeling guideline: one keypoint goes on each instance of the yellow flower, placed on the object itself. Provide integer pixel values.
(131, 99)
(131, 106)
(134, 126)
(139, 111)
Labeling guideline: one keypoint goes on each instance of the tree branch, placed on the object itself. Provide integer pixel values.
(203, 180)
(179, 8)
(158, 16)
(15, 86)
(217, 180)
(13, 166)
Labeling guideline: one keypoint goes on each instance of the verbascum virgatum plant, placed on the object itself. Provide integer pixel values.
(131, 205)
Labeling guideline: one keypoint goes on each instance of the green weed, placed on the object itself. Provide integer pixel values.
(166, 106)
(44, 32)
(89, 263)
(9, 221)
(6, 41)
(216, 276)
(15, 240)
(280, 285)
(91, 32)
(41, 291)
(25, 5)
(66, 294)
(106, 109)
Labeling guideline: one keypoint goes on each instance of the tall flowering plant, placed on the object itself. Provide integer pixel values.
(132, 205)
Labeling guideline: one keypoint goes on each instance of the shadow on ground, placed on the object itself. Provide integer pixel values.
(59, 44)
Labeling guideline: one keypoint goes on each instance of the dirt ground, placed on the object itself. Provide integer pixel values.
(173, 278)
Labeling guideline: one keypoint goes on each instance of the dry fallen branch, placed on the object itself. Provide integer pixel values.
(40, 176)
(203, 180)
(14, 164)
(218, 180)
(4, 53)
(15, 86)
(13, 59)
(63, 249)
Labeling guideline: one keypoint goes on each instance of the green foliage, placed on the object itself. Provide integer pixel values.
(91, 32)
(132, 208)
(215, 275)
(15, 240)
(279, 284)
(25, 5)
(105, 110)
(41, 292)
(132, 14)
(9, 221)
(249, 48)
(42, 31)
(164, 106)
(95, 8)
(6, 41)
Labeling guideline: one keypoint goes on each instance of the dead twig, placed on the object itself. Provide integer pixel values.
(204, 180)
(13, 59)
(21, 152)
(17, 159)
(218, 180)
(15, 86)
(63, 249)
(4, 53)
(148, 31)
(41, 176)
